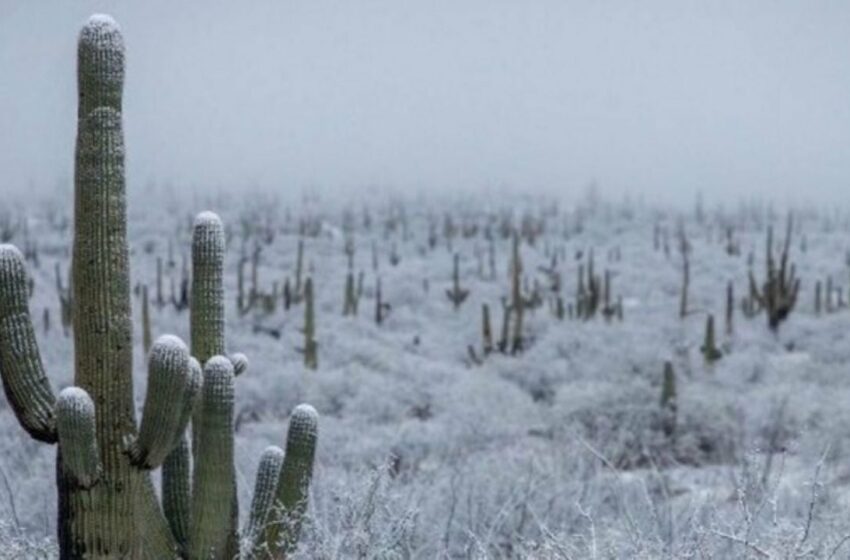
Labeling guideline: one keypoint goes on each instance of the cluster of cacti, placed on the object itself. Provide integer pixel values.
(777, 295)
(829, 299)
(107, 504)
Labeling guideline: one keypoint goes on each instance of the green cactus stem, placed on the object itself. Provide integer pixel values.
(214, 478)
(310, 349)
(24, 380)
(147, 336)
(172, 385)
(709, 349)
(263, 503)
(669, 405)
(294, 483)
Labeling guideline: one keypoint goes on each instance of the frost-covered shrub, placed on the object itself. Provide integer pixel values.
(624, 422)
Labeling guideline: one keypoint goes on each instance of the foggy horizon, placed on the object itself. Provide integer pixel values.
(662, 101)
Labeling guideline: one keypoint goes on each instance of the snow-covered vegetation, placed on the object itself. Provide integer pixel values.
(430, 445)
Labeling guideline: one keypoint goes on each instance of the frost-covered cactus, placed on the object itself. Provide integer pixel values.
(27, 387)
(263, 503)
(456, 294)
(709, 348)
(669, 404)
(207, 307)
(77, 441)
(311, 347)
(147, 336)
(214, 477)
(100, 65)
(777, 295)
(107, 505)
(173, 383)
(207, 293)
(296, 474)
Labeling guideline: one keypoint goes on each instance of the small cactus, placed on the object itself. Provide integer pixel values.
(669, 405)
(310, 349)
(147, 337)
(709, 349)
(382, 308)
(456, 294)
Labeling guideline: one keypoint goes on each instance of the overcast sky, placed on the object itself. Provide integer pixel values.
(665, 98)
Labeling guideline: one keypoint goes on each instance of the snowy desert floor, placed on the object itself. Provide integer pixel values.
(557, 452)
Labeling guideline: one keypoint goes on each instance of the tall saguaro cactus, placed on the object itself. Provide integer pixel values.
(107, 505)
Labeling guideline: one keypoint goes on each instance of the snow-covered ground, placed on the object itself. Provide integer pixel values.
(558, 452)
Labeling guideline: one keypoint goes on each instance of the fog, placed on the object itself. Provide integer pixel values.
(662, 98)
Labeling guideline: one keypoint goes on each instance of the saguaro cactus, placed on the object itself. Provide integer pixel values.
(709, 348)
(456, 294)
(778, 293)
(311, 346)
(107, 505)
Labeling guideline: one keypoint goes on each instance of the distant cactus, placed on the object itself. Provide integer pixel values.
(298, 294)
(517, 303)
(310, 348)
(351, 296)
(818, 297)
(147, 336)
(382, 308)
(160, 298)
(778, 293)
(685, 252)
(456, 294)
(709, 348)
(66, 303)
(669, 404)
(107, 505)
(486, 338)
(730, 308)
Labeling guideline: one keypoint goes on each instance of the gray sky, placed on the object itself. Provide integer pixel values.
(665, 98)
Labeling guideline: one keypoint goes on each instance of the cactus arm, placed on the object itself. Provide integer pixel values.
(170, 394)
(75, 424)
(214, 476)
(207, 308)
(24, 381)
(294, 483)
(176, 469)
(177, 491)
(100, 65)
(265, 494)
